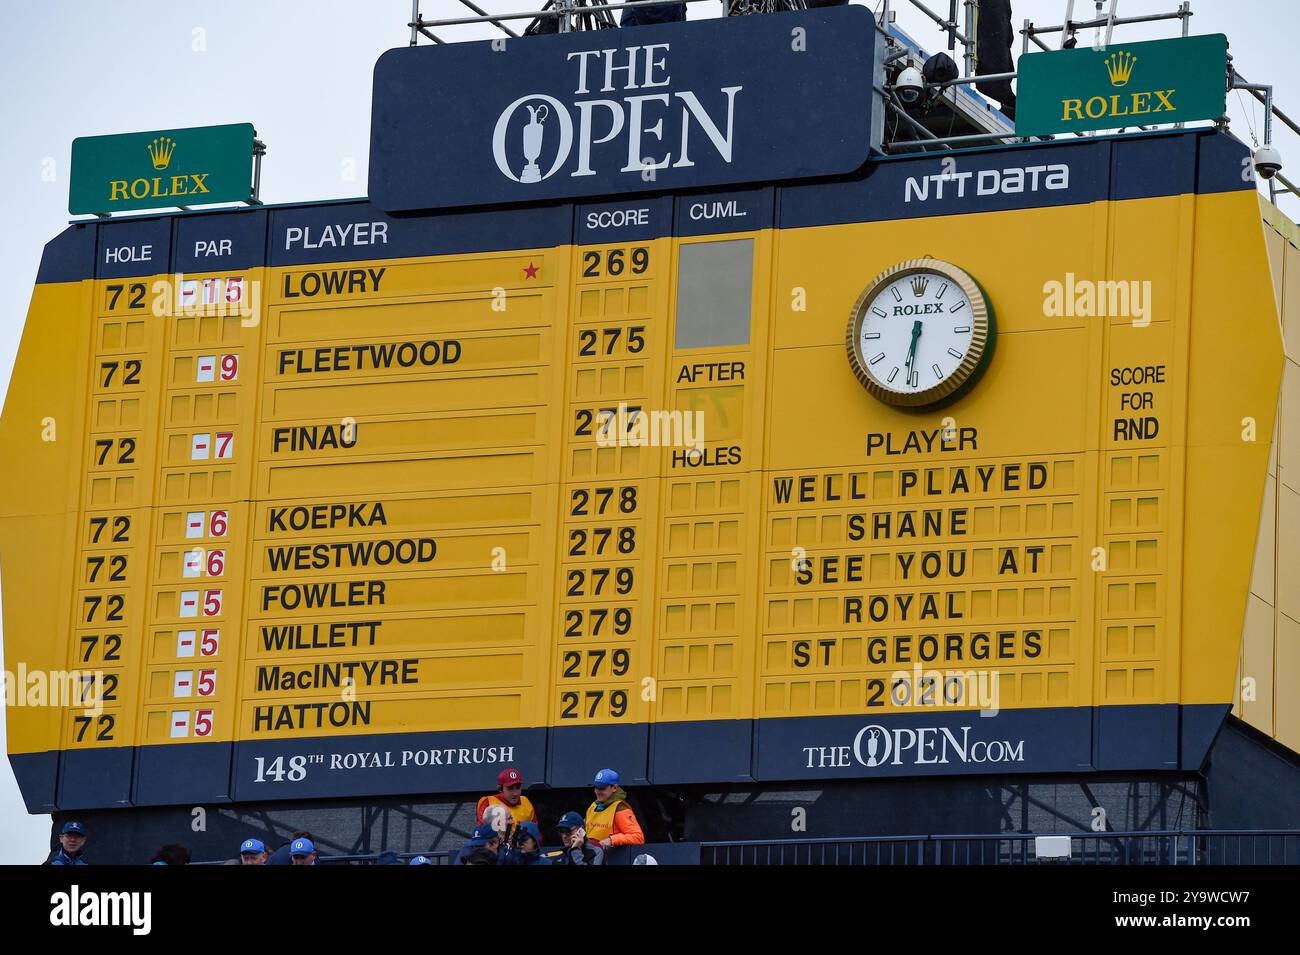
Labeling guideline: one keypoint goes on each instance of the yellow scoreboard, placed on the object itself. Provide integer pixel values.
(950, 466)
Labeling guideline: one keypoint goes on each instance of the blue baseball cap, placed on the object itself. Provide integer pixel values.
(302, 847)
(570, 820)
(73, 828)
(252, 845)
(606, 777)
(421, 860)
(485, 831)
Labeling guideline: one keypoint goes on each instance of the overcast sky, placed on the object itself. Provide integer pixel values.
(300, 72)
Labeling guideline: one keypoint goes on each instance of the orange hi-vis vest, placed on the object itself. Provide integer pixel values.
(520, 813)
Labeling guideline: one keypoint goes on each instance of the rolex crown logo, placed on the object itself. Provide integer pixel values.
(919, 284)
(160, 151)
(1119, 67)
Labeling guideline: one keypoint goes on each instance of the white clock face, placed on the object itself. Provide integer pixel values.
(916, 332)
(920, 333)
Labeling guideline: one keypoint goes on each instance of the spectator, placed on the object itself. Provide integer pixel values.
(421, 860)
(72, 840)
(527, 847)
(577, 850)
(481, 857)
(281, 855)
(510, 795)
(484, 837)
(171, 854)
(610, 819)
(252, 852)
(302, 852)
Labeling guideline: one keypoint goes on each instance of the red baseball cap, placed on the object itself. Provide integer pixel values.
(508, 777)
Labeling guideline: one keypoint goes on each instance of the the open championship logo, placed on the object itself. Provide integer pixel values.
(877, 746)
(536, 135)
(532, 137)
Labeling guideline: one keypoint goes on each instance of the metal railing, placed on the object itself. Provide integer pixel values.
(1196, 847)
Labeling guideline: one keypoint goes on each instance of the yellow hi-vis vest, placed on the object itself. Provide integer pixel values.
(520, 813)
(600, 822)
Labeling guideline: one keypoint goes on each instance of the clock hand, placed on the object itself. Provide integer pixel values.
(911, 351)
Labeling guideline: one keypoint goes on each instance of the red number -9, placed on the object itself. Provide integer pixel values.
(229, 367)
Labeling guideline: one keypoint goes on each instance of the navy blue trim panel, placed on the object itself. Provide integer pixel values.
(95, 778)
(137, 247)
(1135, 737)
(351, 233)
(69, 256)
(1200, 727)
(577, 753)
(225, 240)
(737, 210)
(939, 743)
(1020, 176)
(623, 220)
(38, 776)
(385, 764)
(713, 751)
(195, 773)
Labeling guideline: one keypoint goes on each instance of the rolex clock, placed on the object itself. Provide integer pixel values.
(920, 333)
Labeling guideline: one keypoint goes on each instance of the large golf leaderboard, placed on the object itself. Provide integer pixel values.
(629, 428)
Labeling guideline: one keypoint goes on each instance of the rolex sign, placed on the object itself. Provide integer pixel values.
(669, 106)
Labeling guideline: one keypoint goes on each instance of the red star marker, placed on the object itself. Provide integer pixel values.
(531, 271)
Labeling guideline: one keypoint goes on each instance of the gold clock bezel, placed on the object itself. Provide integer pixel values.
(981, 333)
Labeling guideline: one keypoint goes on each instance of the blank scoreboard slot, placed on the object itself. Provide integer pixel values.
(456, 350)
(473, 630)
(370, 675)
(330, 716)
(289, 520)
(227, 330)
(719, 413)
(210, 408)
(115, 414)
(430, 472)
(375, 594)
(679, 700)
(322, 438)
(345, 322)
(427, 550)
(610, 381)
(447, 393)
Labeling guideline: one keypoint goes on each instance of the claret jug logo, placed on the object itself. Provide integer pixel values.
(620, 114)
